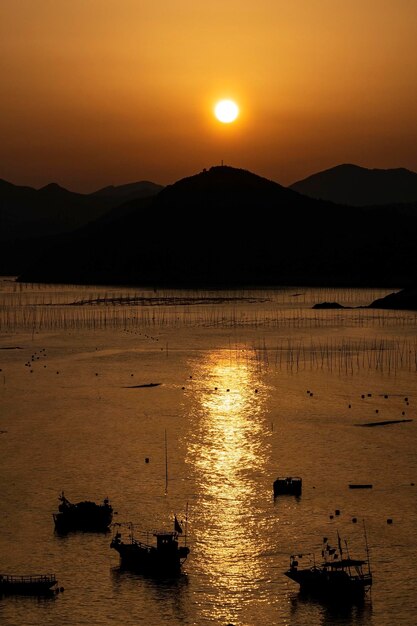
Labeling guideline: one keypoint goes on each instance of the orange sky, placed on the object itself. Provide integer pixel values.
(97, 92)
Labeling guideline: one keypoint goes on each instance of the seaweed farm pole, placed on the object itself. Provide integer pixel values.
(166, 463)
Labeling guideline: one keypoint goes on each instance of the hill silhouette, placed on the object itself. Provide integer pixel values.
(359, 186)
(230, 227)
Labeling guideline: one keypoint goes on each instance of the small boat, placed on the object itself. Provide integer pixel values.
(338, 578)
(360, 486)
(162, 557)
(288, 486)
(34, 584)
(86, 515)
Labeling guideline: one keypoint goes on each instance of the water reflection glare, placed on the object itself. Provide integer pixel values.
(227, 450)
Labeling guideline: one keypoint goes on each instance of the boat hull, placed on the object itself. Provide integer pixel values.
(149, 560)
(337, 585)
(66, 522)
(28, 585)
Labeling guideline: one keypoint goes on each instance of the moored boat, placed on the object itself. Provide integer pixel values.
(338, 577)
(33, 584)
(85, 515)
(164, 556)
(288, 486)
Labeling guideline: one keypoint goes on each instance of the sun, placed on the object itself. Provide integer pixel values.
(226, 111)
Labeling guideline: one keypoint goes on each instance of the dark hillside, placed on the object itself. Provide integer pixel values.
(229, 227)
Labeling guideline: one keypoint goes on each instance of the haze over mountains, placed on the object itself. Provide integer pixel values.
(230, 227)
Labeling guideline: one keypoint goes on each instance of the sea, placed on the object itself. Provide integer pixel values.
(189, 404)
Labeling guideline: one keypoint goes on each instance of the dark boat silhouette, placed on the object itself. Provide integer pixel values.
(33, 584)
(360, 486)
(288, 486)
(85, 515)
(161, 557)
(337, 578)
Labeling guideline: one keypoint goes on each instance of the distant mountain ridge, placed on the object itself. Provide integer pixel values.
(27, 212)
(358, 186)
(141, 189)
(228, 227)
(52, 209)
(28, 215)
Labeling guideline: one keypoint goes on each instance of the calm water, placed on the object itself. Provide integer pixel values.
(253, 385)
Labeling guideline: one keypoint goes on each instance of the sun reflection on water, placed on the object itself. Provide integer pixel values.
(227, 451)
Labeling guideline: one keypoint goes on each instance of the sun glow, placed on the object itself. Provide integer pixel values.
(226, 111)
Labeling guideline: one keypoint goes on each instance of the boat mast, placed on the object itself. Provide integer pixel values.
(367, 547)
(340, 545)
(186, 524)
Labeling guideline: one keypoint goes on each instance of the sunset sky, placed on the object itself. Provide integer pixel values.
(98, 92)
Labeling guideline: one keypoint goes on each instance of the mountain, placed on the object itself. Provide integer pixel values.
(228, 227)
(142, 189)
(28, 216)
(359, 186)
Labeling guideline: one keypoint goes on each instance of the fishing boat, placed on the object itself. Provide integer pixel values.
(160, 554)
(34, 584)
(337, 578)
(288, 486)
(85, 515)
